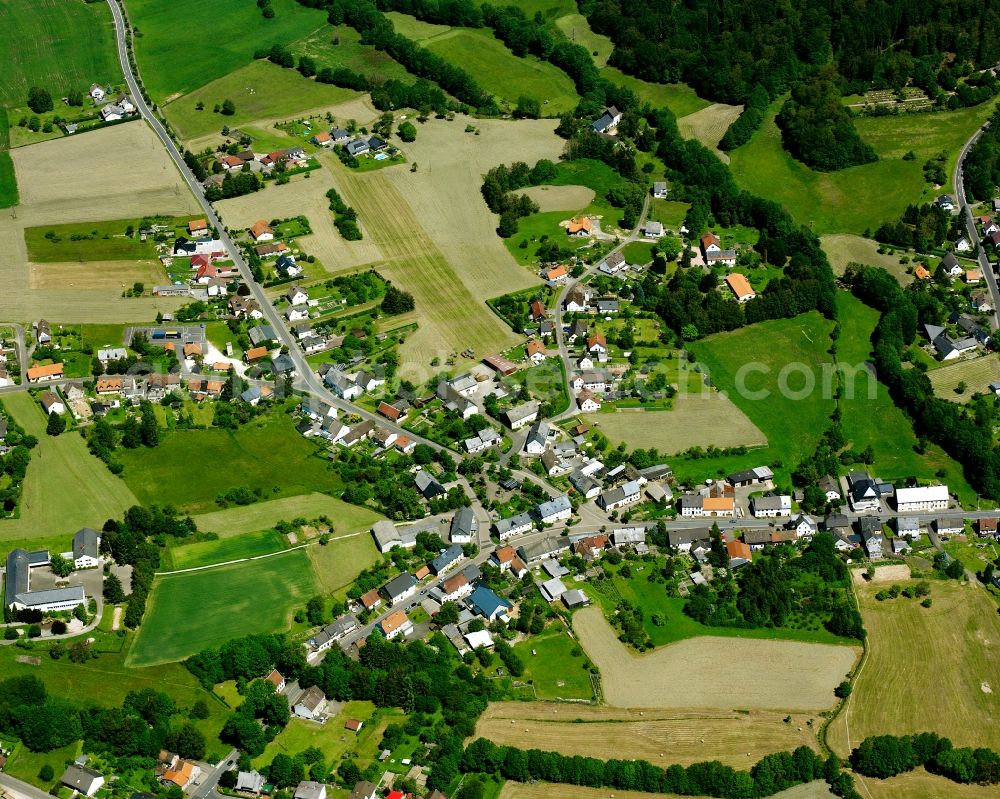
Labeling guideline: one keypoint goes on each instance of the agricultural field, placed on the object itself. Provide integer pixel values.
(554, 666)
(262, 515)
(8, 180)
(66, 487)
(260, 90)
(877, 422)
(339, 562)
(577, 29)
(660, 737)
(845, 248)
(960, 381)
(96, 241)
(173, 474)
(350, 53)
(673, 677)
(559, 198)
(693, 421)
(920, 784)
(173, 62)
(57, 45)
(223, 550)
(709, 125)
(495, 68)
(188, 612)
(542, 790)
(858, 198)
(678, 97)
(436, 234)
(958, 698)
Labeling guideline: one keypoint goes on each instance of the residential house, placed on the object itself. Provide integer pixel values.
(695, 505)
(86, 548)
(342, 385)
(307, 789)
(260, 231)
(446, 559)
(739, 554)
(296, 295)
(626, 494)
(513, 525)
(535, 351)
(96, 92)
(804, 526)
(539, 436)
(271, 250)
(364, 790)
(276, 680)
(962, 245)
(396, 624)
(322, 139)
(949, 526)
(871, 536)
(613, 264)
(923, 498)
(830, 487)
(181, 774)
(554, 510)
(310, 704)
(251, 782)
(608, 122)
(591, 547)
(339, 136)
(653, 230)
(578, 299)
(427, 485)
(326, 637)
(42, 374)
(587, 401)
(947, 203)
(597, 344)
(521, 415)
(606, 306)
(549, 547)
(771, 506)
(659, 190)
(907, 527)
(357, 147)
(580, 227)
(83, 780)
(52, 403)
(951, 265)
(740, 287)
(557, 274)
(43, 332)
(987, 527)
(464, 527)
(488, 604)
(863, 495)
(973, 277)
(455, 588)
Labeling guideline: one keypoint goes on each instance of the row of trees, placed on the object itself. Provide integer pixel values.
(500, 183)
(922, 227)
(14, 462)
(883, 756)
(771, 774)
(981, 168)
(345, 218)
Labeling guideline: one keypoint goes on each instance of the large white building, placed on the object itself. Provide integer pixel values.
(922, 498)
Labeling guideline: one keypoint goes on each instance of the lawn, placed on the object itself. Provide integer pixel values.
(862, 197)
(330, 738)
(25, 764)
(96, 241)
(260, 90)
(66, 487)
(8, 180)
(895, 693)
(974, 553)
(174, 62)
(55, 44)
(960, 381)
(505, 75)
(670, 213)
(551, 666)
(638, 252)
(262, 515)
(751, 365)
(678, 97)
(266, 455)
(339, 562)
(222, 550)
(188, 612)
(877, 422)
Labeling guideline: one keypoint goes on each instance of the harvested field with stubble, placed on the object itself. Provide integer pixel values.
(661, 737)
(920, 784)
(113, 173)
(308, 198)
(559, 198)
(709, 125)
(939, 665)
(542, 790)
(114, 275)
(693, 421)
(675, 676)
(883, 574)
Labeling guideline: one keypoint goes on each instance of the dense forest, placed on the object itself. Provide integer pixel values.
(982, 165)
(882, 43)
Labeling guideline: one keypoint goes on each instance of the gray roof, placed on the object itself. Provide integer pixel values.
(464, 522)
(312, 698)
(16, 579)
(427, 485)
(553, 506)
(522, 411)
(81, 778)
(261, 333)
(86, 543)
(399, 585)
(310, 790)
(50, 596)
(249, 781)
(503, 526)
(446, 558)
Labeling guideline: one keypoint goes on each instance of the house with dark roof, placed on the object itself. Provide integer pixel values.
(400, 588)
(464, 526)
(86, 548)
(488, 604)
(427, 485)
(83, 780)
(446, 559)
(608, 122)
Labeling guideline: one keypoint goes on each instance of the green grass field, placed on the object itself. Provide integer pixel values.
(55, 44)
(205, 553)
(975, 373)
(262, 515)
(174, 62)
(266, 454)
(94, 241)
(862, 197)
(260, 90)
(678, 97)
(337, 563)
(552, 668)
(8, 179)
(577, 29)
(330, 738)
(878, 422)
(549, 9)
(676, 626)
(188, 612)
(492, 65)
(349, 53)
(638, 252)
(66, 487)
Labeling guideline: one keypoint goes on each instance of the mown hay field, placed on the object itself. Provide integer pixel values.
(661, 737)
(919, 784)
(845, 248)
(559, 198)
(577, 28)
(933, 668)
(188, 612)
(108, 275)
(675, 676)
(702, 421)
(709, 125)
(542, 790)
(262, 515)
(975, 373)
(66, 487)
(678, 97)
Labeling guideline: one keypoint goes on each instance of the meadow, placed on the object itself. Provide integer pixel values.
(708, 125)
(57, 45)
(260, 90)
(681, 736)
(263, 515)
(938, 665)
(555, 666)
(576, 28)
(846, 248)
(350, 53)
(330, 738)
(975, 374)
(223, 550)
(673, 677)
(678, 97)
(859, 198)
(188, 612)
(66, 487)
(339, 562)
(266, 454)
(95, 241)
(173, 62)
(8, 180)
(541, 790)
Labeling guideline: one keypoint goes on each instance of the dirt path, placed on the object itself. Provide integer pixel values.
(116, 618)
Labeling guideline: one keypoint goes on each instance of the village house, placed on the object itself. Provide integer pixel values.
(580, 227)
(396, 624)
(42, 374)
(659, 190)
(695, 505)
(521, 415)
(924, 498)
(400, 588)
(863, 494)
(588, 402)
(310, 704)
(626, 494)
(52, 403)
(771, 506)
(513, 525)
(554, 510)
(613, 263)
(608, 122)
(85, 781)
(455, 587)
(86, 549)
(578, 299)
(535, 351)
(464, 526)
(740, 287)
